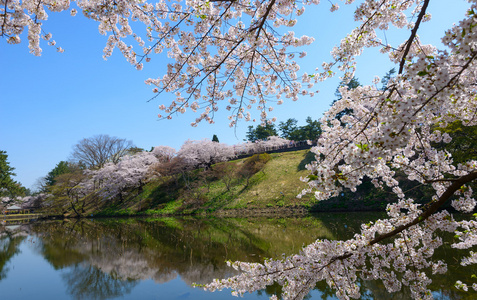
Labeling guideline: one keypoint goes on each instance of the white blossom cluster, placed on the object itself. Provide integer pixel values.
(221, 50)
(204, 153)
(111, 180)
(261, 146)
(24, 201)
(164, 153)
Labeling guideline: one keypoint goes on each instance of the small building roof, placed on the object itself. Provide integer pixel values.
(13, 207)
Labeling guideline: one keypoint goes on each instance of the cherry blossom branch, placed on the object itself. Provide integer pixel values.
(264, 18)
(202, 39)
(4, 17)
(433, 207)
(449, 192)
(408, 250)
(449, 83)
(413, 36)
(166, 34)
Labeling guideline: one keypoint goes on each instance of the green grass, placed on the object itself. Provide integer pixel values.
(276, 185)
(201, 192)
(279, 181)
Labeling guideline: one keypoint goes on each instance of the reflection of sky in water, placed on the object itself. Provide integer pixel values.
(30, 276)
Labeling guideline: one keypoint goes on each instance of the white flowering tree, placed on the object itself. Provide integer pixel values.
(260, 146)
(113, 179)
(272, 143)
(164, 154)
(386, 132)
(204, 153)
(226, 50)
(245, 148)
(29, 202)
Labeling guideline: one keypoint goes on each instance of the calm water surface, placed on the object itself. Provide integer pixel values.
(161, 258)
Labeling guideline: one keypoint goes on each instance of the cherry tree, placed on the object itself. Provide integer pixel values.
(204, 153)
(233, 51)
(246, 148)
(34, 201)
(260, 146)
(272, 143)
(113, 179)
(164, 153)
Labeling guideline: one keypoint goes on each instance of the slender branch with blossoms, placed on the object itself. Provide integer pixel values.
(200, 76)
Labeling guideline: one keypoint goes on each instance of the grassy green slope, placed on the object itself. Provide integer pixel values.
(271, 190)
(276, 185)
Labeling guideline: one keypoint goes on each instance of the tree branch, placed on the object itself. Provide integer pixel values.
(413, 36)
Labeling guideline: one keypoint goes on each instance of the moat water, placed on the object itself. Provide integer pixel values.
(161, 258)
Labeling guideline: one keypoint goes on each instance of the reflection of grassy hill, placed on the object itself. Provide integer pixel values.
(284, 235)
(194, 248)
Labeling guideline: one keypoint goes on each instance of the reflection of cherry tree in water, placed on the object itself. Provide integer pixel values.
(127, 251)
(195, 249)
(9, 247)
(276, 289)
(88, 282)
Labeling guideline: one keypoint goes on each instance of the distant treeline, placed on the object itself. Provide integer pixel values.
(288, 130)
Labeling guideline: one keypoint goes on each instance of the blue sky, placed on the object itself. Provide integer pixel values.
(51, 102)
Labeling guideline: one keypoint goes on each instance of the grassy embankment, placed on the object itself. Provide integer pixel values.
(224, 190)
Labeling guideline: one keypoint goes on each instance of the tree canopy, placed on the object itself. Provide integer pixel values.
(62, 167)
(261, 132)
(96, 151)
(288, 129)
(8, 186)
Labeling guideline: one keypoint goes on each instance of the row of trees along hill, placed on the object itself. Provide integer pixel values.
(197, 178)
(92, 181)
